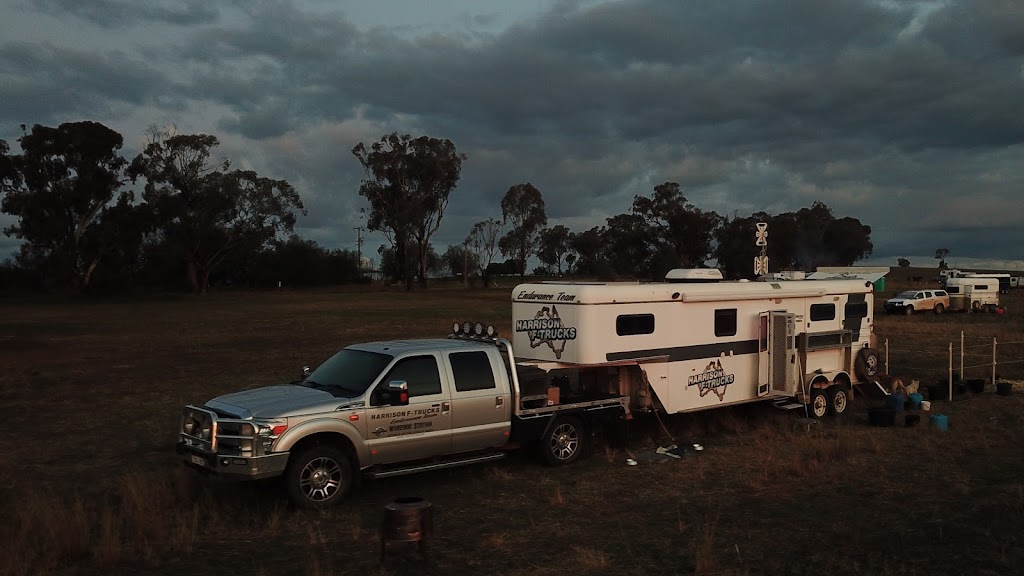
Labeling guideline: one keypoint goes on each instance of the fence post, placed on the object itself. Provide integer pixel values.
(886, 355)
(962, 375)
(951, 371)
(993, 361)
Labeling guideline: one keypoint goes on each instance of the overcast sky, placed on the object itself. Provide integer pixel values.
(906, 115)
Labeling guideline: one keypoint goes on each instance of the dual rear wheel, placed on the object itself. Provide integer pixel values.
(833, 400)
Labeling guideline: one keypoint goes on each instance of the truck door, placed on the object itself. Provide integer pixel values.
(423, 428)
(481, 401)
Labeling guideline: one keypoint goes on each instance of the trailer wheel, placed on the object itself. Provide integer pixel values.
(318, 477)
(866, 365)
(564, 444)
(819, 403)
(838, 400)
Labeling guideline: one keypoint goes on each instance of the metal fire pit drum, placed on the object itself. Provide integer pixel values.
(408, 519)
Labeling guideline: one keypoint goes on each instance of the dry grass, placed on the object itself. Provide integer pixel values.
(89, 481)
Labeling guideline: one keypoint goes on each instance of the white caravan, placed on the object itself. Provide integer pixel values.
(683, 346)
(973, 293)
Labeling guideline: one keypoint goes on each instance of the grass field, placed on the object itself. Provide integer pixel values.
(89, 483)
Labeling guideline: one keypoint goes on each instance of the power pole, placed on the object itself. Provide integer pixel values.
(359, 245)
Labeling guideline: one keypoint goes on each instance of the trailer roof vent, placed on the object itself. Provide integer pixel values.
(694, 275)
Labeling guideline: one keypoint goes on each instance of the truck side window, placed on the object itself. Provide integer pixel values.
(725, 322)
(631, 324)
(820, 312)
(420, 372)
(472, 371)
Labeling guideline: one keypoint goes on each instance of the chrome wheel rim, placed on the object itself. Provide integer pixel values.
(565, 441)
(321, 479)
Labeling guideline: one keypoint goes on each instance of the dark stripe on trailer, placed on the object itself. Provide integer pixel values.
(853, 324)
(681, 353)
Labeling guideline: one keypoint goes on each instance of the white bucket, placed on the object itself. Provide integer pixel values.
(926, 405)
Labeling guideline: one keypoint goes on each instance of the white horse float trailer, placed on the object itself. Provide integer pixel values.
(696, 342)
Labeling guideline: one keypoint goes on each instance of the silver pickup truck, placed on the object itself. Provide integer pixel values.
(389, 408)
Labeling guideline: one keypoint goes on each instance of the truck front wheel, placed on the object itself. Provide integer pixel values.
(318, 477)
(564, 443)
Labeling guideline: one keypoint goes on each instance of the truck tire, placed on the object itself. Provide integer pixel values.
(838, 399)
(908, 310)
(819, 405)
(939, 308)
(318, 477)
(565, 442)
(866, 365)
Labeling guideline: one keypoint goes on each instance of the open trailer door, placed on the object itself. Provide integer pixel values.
(776, 345)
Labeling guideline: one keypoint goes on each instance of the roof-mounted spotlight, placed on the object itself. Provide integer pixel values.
(478, 329)
(491, 332)
(456, 328)
(466, 327)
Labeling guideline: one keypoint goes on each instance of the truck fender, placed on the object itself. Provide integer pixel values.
(292, 436)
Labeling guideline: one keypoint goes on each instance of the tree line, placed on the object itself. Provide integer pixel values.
(176, 216)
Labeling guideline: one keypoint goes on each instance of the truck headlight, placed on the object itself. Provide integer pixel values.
(189, 426)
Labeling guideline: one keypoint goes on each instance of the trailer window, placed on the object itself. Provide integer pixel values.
(821, 312)
(725, 322)
(856, 310)
(633, 324)
(472, 371)
(981, 286)
(952, 289)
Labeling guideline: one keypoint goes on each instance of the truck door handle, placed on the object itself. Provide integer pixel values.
(446, 407)
(379, 431)
(499, 401)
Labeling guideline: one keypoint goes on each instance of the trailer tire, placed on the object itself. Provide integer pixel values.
(866, 364)
(819, 406)
(838, 400)
(318, 477)
(565, 442)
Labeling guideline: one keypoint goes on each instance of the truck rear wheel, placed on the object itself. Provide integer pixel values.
(564, 443)
(318, 477)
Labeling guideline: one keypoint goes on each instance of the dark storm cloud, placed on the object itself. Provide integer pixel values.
(123, 13)
(903, 114)
(45, 83)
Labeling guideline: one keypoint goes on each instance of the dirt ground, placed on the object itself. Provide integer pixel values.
(89, 483)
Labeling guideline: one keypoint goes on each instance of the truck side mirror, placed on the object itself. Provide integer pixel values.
(398, 393)
(305, 372)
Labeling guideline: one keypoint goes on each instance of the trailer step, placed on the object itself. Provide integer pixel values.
(787, 404)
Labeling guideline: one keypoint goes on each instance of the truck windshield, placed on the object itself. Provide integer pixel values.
(907, 295)
(349, 370)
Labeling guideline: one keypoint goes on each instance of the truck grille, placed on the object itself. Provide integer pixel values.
(205, 430)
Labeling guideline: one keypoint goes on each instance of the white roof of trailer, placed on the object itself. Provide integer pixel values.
(866, 276)
(569, 293)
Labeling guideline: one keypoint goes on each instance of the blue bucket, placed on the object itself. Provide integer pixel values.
(916, 399)
(939, 421)
(895, 401)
